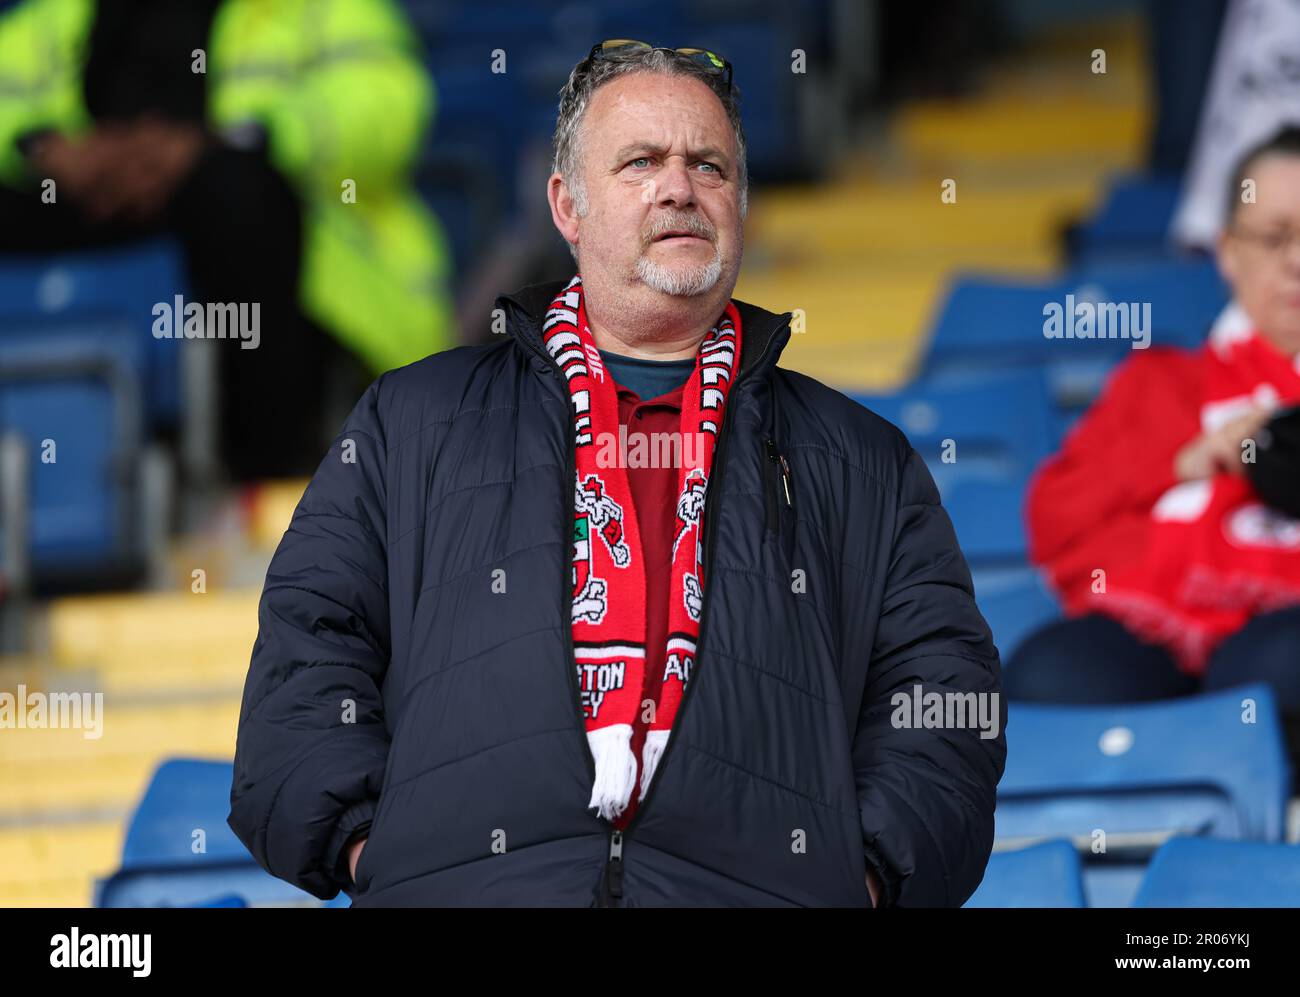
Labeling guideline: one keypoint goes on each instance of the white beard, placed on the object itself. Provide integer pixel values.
(680, 281)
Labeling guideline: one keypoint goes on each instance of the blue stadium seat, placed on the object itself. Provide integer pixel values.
(206, 885)
(77, 390)
(1132, 222)
(1188, 765)
(1142, 773)
(992, 323)
(1043, 875)
(229, 900)
(1200, 872)
(108, 294)
(187, 803)
(995, 321)
(184, 796)
(1001, 424)
(1015, 602)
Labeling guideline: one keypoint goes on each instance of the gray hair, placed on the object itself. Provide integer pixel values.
(582, 84)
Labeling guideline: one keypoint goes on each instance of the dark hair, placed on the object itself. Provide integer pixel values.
(1285, 141)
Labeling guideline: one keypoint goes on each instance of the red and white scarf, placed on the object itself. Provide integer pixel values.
(609, 582)
(1215, 555)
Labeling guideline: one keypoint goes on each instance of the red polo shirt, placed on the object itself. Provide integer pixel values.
(654, 495)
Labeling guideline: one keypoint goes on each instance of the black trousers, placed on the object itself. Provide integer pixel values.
(240, 225)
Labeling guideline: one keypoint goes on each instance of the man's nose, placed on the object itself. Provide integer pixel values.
(674, 183)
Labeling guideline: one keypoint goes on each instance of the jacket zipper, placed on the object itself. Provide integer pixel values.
(613, 880)
(769, 488)
(776, 461)
(611, 884)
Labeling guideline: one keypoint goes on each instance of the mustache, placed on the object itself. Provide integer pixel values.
(682, 221)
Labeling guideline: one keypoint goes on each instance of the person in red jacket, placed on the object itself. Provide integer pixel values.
(1163, 522)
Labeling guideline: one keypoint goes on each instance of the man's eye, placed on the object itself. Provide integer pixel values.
(640, 159)
(713, 167)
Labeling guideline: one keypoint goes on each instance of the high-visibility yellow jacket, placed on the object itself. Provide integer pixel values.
(340, 90)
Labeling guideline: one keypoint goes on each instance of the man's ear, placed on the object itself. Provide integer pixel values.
(564, 212)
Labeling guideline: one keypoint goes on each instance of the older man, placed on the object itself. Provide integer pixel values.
(615, 611)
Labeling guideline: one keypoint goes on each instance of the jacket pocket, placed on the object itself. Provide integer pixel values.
(364, 874)
(778, 497)
(770, 485)
(365, 863)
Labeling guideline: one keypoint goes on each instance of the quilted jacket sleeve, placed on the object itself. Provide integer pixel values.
(926, 793)
(312, 743)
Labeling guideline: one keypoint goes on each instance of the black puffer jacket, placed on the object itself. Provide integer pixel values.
(394, 687)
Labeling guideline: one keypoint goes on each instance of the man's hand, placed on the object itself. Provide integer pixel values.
(79, 165)
(153, 157)
(1219, 451)
(354, 853)
(873, 887)
(123, 170)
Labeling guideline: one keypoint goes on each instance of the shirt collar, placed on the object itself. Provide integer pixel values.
(673, 398)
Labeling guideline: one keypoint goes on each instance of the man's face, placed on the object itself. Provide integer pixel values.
(1260, 252)
(660, 163)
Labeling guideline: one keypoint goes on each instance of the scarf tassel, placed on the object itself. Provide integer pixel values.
(655, 742)
(615, 769)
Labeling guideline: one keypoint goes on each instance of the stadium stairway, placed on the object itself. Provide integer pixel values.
(866, 256)
(170, 666)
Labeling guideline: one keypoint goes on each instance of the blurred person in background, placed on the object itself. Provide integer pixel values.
(1168, 521)
(477, 634)
(274, 139)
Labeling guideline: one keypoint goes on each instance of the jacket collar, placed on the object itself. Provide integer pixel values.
(763, 333)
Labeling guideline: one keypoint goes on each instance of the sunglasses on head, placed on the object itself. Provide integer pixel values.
(711, 62)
